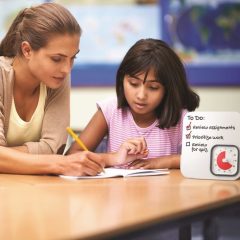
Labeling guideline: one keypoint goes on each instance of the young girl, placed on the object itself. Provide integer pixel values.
(144, 124)
(36, 57)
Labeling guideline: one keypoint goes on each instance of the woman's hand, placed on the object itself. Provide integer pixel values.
(132, 149)
(82, 164)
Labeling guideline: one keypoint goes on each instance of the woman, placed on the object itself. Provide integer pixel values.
(36, 57)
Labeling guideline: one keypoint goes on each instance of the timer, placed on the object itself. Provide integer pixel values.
(224, 160)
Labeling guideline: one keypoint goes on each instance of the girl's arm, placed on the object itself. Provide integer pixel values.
(93, 134)
(130, 150)
(79, 164)
(171, 161)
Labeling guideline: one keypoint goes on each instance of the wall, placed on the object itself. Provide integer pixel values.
(83, 101)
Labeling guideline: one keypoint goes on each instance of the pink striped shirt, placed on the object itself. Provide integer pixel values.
(121, 126)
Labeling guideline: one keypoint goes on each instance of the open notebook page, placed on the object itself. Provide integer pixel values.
(119, 172)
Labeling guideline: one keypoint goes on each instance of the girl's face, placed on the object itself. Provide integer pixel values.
(54, 62)
(142, 96)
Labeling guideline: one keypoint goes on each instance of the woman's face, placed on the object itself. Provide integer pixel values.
(52, 63)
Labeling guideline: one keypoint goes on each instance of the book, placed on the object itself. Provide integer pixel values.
(120, 172)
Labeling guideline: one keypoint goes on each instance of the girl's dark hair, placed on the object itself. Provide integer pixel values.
(155, 54)
(37, 25)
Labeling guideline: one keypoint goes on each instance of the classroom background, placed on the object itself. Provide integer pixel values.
(205, 34)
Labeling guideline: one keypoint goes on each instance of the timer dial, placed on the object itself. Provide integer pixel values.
(224, 160)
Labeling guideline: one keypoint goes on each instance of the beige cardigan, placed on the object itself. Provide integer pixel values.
(56, 117)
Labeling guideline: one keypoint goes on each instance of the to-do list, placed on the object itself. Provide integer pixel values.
(210, 145)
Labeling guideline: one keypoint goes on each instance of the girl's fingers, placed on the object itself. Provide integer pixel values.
(136, 165)
(141, 163)
(137, 145)
(130, 147)
(144, 144)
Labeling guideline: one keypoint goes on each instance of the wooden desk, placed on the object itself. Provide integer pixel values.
(49, 207)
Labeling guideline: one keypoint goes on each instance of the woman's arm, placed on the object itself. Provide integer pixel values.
(21, 148)
(79, 164)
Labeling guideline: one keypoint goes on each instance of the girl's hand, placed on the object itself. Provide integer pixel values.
(170, 161)
(144, 164)
(82, 164)
(132, 149)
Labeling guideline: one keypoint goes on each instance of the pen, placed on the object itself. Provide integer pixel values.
(78, 140)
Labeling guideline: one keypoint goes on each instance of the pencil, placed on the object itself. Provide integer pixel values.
(78, 140)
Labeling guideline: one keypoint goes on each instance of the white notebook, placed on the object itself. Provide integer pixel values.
(119, 172)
